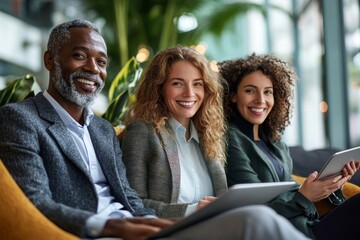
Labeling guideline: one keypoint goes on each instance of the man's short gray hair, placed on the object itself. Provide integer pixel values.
(61, 34)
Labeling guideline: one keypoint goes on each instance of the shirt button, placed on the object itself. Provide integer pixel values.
(93, 232)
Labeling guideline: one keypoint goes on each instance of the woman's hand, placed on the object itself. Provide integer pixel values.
(350, 169)
(205, 201)
(316, 190)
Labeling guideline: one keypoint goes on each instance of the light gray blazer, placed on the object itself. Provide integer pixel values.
(153, 168)
(39, 152)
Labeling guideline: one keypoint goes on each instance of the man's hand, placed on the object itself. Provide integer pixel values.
(134, 228)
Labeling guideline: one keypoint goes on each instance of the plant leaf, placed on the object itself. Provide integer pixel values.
(24, 88)
(129, 73)
(116, 108)
(18, 90)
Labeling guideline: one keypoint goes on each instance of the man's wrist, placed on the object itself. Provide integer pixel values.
(95, 225)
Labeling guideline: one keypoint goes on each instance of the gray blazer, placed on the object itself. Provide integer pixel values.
(153, 168)
(39, 152)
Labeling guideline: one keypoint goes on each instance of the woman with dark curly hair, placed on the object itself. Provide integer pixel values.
(258, 105)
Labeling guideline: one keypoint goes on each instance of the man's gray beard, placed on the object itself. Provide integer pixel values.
(68, 90)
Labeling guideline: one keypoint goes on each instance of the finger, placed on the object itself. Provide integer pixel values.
(159, 222)
(210, 198)
(352, 165)
(338, 184)
(145, 221)
(345, 172)
(357, 164)
(352, 168)
(332, 180)
(141, 231)
(201, 204)
(346, 168)
(128, 228)
(337, 178)
(311, 177)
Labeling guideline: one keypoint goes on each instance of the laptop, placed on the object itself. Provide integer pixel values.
(237, 196)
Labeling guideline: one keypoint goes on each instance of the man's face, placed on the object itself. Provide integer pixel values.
(80, 67)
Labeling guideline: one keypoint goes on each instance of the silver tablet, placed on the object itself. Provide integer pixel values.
(237, 196)
(336, 162)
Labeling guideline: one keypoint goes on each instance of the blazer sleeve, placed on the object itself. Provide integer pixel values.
(20, 149)
(148, 170)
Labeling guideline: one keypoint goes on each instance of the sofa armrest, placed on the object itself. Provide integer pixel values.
(324, 206)
(20, 219)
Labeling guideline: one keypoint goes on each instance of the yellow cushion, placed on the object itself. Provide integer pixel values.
(324, 206)
(19, 218)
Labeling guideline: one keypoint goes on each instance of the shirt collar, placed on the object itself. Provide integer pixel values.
(179, 128)
(64, 115)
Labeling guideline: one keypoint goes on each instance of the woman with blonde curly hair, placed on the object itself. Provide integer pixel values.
(150, 105)
(258, 106)
(173, 144)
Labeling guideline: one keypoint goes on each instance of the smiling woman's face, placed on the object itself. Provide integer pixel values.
(254, 97)
(184, 91)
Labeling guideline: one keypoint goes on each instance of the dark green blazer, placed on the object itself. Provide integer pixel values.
(247, 163)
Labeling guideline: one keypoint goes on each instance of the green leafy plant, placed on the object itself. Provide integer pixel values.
(154, 24)
(121, 92)
(18, 90)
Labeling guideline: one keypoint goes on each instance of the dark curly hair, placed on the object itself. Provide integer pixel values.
(283, 79)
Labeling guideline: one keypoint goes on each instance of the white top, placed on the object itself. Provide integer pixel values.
(195, 180)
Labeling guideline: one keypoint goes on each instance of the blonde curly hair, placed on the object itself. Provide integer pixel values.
(283, 79)
(150, 105)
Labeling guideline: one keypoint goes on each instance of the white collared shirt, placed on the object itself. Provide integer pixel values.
(195, 180)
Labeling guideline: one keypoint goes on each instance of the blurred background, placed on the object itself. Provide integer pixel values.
(320, 38)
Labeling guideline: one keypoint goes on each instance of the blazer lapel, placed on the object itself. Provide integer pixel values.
(65, 141)
(217, 174)
(170, 148)
(269, 164)
(59, 131)
(102, 142)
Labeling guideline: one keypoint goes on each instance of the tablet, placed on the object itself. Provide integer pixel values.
(237, 196)
(337, 162)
